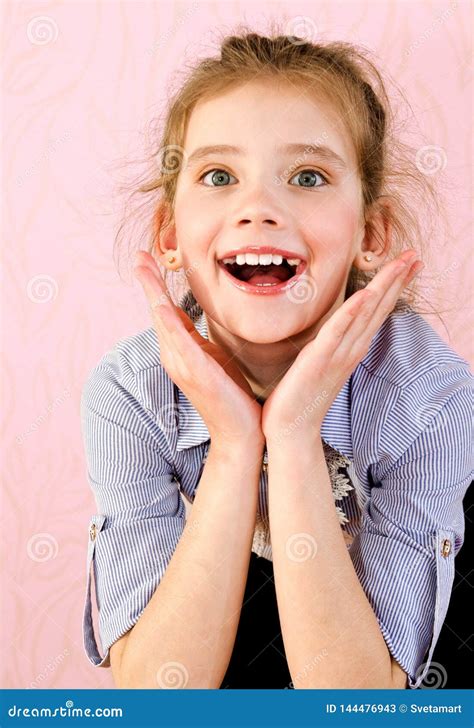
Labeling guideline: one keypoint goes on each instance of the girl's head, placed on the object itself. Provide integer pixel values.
(347, 190)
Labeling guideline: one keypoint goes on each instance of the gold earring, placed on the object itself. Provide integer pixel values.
(171, 259)
(368, 258)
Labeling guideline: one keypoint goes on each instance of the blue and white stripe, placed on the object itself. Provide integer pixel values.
(403, 420)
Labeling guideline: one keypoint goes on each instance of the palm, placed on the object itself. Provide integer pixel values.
(218, 354)
(288, 391)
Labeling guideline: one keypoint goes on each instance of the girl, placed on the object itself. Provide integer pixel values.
(292, 356)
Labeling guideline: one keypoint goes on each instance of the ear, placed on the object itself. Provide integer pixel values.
(377, 238)
(166, 246)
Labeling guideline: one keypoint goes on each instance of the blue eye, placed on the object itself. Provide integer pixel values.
(218, 175)
(308, 177)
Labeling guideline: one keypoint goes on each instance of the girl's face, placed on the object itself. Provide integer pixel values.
(261, 194)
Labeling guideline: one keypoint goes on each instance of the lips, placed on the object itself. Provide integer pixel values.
(263, 284)
(269, 273)
(262, 268)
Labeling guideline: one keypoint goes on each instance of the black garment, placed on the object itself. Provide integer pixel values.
(258, 659)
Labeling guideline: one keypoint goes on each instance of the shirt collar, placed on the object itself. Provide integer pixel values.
(335, 429)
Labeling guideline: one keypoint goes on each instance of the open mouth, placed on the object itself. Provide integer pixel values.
(272, 274)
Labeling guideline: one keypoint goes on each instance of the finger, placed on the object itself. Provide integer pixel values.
(334, 330)
(390, 274)
(176, 330)
(352, 320)
(171, 333)
(195, 367)
(389, 299)
(382, 299)
(157, 300)
(146, 260)
(156, 292)
(416, 268)
(376, 308)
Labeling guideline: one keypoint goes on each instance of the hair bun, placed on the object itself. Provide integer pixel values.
(262, 47)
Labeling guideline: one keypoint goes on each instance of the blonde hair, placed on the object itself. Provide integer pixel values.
(338, 72)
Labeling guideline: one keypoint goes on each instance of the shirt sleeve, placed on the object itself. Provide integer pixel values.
(140, 513)
(411, 530)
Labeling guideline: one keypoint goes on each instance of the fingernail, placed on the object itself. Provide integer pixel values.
(418, 267)
(409, 257)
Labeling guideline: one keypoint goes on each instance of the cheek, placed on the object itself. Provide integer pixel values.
(196, 214)
(334, 232)
(339, 206)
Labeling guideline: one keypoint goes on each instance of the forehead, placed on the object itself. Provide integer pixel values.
(260, 116)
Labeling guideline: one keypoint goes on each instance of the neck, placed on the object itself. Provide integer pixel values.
(264, 365)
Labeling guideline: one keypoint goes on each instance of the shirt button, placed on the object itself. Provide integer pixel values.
(446, 547)
(93, 532)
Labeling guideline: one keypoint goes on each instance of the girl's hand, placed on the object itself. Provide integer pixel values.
(303, 396)
(206, 375)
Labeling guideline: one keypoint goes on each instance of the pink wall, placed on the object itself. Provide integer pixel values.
(80, 81)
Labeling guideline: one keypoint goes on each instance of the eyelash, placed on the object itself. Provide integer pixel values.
(300, 171)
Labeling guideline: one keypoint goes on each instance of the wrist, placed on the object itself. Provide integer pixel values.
(296, 437)
(238, 446)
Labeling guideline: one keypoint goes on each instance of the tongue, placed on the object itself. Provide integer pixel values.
(255, 274)
(259, 278)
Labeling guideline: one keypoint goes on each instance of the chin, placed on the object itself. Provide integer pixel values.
(264, 332)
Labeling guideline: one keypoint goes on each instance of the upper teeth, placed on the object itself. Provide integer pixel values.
(254, 259)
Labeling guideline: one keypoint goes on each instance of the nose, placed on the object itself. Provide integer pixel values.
(259, 208)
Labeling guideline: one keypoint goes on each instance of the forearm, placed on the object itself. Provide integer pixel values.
(193, 616)
(330, 632)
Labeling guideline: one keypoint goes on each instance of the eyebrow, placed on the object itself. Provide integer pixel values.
(311, 150)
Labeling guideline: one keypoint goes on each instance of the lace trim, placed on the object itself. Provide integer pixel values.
(341, 486)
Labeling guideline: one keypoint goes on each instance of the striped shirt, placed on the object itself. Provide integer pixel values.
(400, 430)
